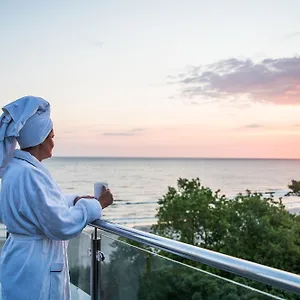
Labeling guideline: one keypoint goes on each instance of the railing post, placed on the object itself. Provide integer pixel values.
(95, 267)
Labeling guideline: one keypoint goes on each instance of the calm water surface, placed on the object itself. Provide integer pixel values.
(137, 183)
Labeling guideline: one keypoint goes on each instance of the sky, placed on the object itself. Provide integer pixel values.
(158, 78)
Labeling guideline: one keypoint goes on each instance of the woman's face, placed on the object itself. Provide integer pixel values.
(48, 145)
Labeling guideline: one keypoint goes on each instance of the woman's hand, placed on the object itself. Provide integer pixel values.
(106, 198)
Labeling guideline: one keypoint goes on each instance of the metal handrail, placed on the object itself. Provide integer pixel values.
(274, 277)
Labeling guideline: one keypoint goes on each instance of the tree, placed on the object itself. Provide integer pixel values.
(263, 231)
(192, 214)
(248, 226)
(295, 187)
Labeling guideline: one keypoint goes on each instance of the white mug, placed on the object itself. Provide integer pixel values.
(98, 188)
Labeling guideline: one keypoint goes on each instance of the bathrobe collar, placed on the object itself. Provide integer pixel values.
(26, 156)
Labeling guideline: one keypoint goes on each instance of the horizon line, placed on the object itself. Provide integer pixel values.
(175, 157)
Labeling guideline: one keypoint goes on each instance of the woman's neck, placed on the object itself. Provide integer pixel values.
(34, 151)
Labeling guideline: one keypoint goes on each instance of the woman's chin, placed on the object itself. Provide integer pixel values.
(48, 156)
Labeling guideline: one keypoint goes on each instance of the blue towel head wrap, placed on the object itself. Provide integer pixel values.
(26, 121)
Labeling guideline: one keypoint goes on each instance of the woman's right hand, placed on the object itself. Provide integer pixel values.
(106, 198)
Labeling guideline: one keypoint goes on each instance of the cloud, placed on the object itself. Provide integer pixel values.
(118, 133)
(138, 129)
(270, 128)
(249, 126)
(272, 80)
(292, 35)
(131, 132)
(253, 126)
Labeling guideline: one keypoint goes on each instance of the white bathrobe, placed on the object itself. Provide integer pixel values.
(40, 220)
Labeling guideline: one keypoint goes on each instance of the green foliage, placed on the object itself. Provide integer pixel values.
(121, 272)
(192, 214)
(248, 226)
(181, 283)
(295, 187)
(262, 230)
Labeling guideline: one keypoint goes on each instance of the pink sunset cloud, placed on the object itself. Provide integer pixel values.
(271, 80)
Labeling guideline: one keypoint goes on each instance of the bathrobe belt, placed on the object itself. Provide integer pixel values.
(24, 237)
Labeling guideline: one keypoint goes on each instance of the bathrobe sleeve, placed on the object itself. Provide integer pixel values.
(70, 198)
(46, 207)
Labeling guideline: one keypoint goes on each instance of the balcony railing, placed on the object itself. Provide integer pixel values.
(115, 262)
(124, 263)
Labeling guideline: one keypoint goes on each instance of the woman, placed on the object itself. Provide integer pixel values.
(39, 218)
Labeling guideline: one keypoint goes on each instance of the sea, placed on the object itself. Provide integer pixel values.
(138, 183)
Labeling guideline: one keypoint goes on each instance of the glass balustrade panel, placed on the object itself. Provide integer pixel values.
(80, 266)
(131, 271)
